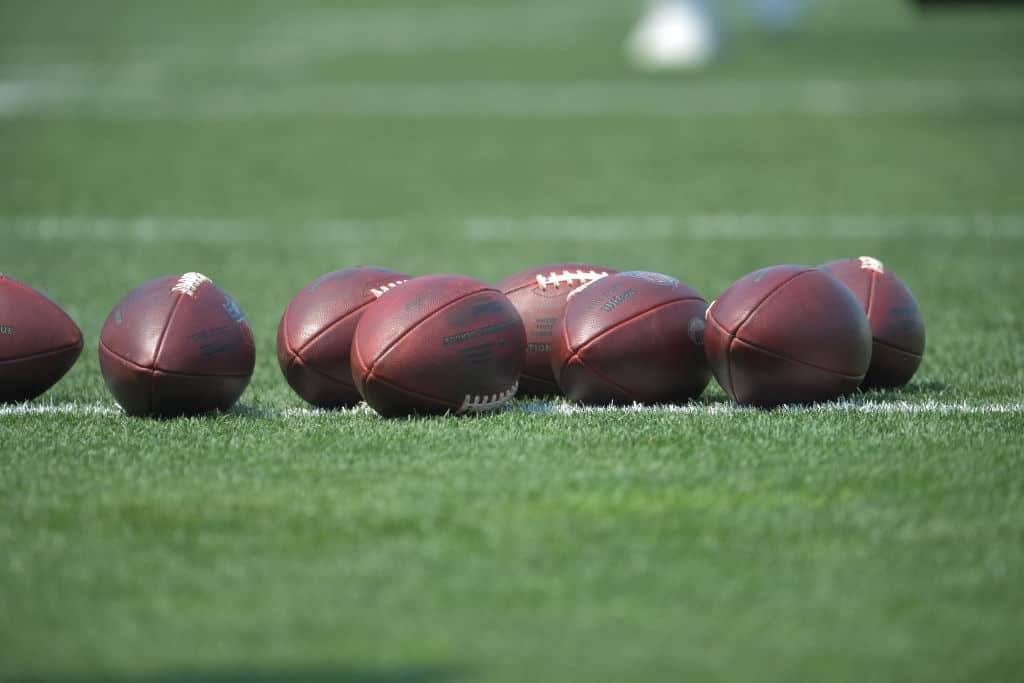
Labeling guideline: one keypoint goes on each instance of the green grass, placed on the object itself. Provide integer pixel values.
(272, 544)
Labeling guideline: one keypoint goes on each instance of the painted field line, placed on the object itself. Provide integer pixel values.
(705, 227)
(140, 99)
(838, 407)
(545, 408)
(743, 227)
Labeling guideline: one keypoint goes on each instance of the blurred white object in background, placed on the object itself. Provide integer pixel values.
(673, 34)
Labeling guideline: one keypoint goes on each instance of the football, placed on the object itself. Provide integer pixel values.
(897, 327)
(174, 346)
(631, 337)
(314, 339)
(539, 295)
(439, 344)
(787, 334)
(38, 341)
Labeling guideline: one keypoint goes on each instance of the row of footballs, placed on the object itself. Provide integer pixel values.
(451, 344)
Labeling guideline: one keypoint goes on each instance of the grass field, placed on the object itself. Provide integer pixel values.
(879, 539)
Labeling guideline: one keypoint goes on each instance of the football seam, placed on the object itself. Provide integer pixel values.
(792, 360)
(630, 319)
(312, 368)
(871, 296)
(415, 394)
(40, 354)
(604, 378)
(387, 349)
(728, 352)
(163, 332)
(154, 370)
(309, 342)
(887, 345)
(770, 293)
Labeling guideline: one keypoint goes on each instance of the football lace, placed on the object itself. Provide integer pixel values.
(478, 404)
(568, 278)
(189, 283)
(380, 291)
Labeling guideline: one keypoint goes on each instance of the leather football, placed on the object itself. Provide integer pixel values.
(539, 295)
(634, 337)
(787, 334)
(897, 327)
(38, 341)
(314, 339)
(439, 344)
(178, 345)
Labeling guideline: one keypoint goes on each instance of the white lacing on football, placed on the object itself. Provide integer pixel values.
(190, 283)
(379, 291)
(570, 278)
(707, 313)
(480, 404)
(579, 289)
(869, 263)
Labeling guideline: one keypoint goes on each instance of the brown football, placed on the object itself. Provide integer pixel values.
(631, 337)
(176, 346)
(439, 344)
(38, 341)
(314, 339)
(897, 328)
(787, 334)
(539, 295)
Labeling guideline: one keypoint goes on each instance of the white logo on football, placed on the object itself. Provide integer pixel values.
(190, 283)
(869, 263)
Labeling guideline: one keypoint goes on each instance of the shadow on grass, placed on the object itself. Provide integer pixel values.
(410, 675)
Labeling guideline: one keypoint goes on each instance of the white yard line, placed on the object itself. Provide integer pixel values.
(545, 408)
(742, 227)
(136, 98)
(703, 227)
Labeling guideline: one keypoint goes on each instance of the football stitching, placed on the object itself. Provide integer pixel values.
(887, 345)
(189, 284)
(765, 298)
(165, 372)
(601, 376)
(639, 315)
(379, 292)
(408, 392)
(309, 342)
(568, 277)
(795, 360)
(479, 404)
(728, 350)
(63, 349)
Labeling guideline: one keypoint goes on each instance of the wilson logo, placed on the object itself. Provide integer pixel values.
(618, 300)
(476, 334)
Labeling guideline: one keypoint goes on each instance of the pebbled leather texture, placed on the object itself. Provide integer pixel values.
(897, 326)
(435, 343)
(39, 342)
(168, 353)
(632, 337)
(788, 334)
(314, 339)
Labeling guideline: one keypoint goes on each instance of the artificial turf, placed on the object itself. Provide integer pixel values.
(881, 539)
